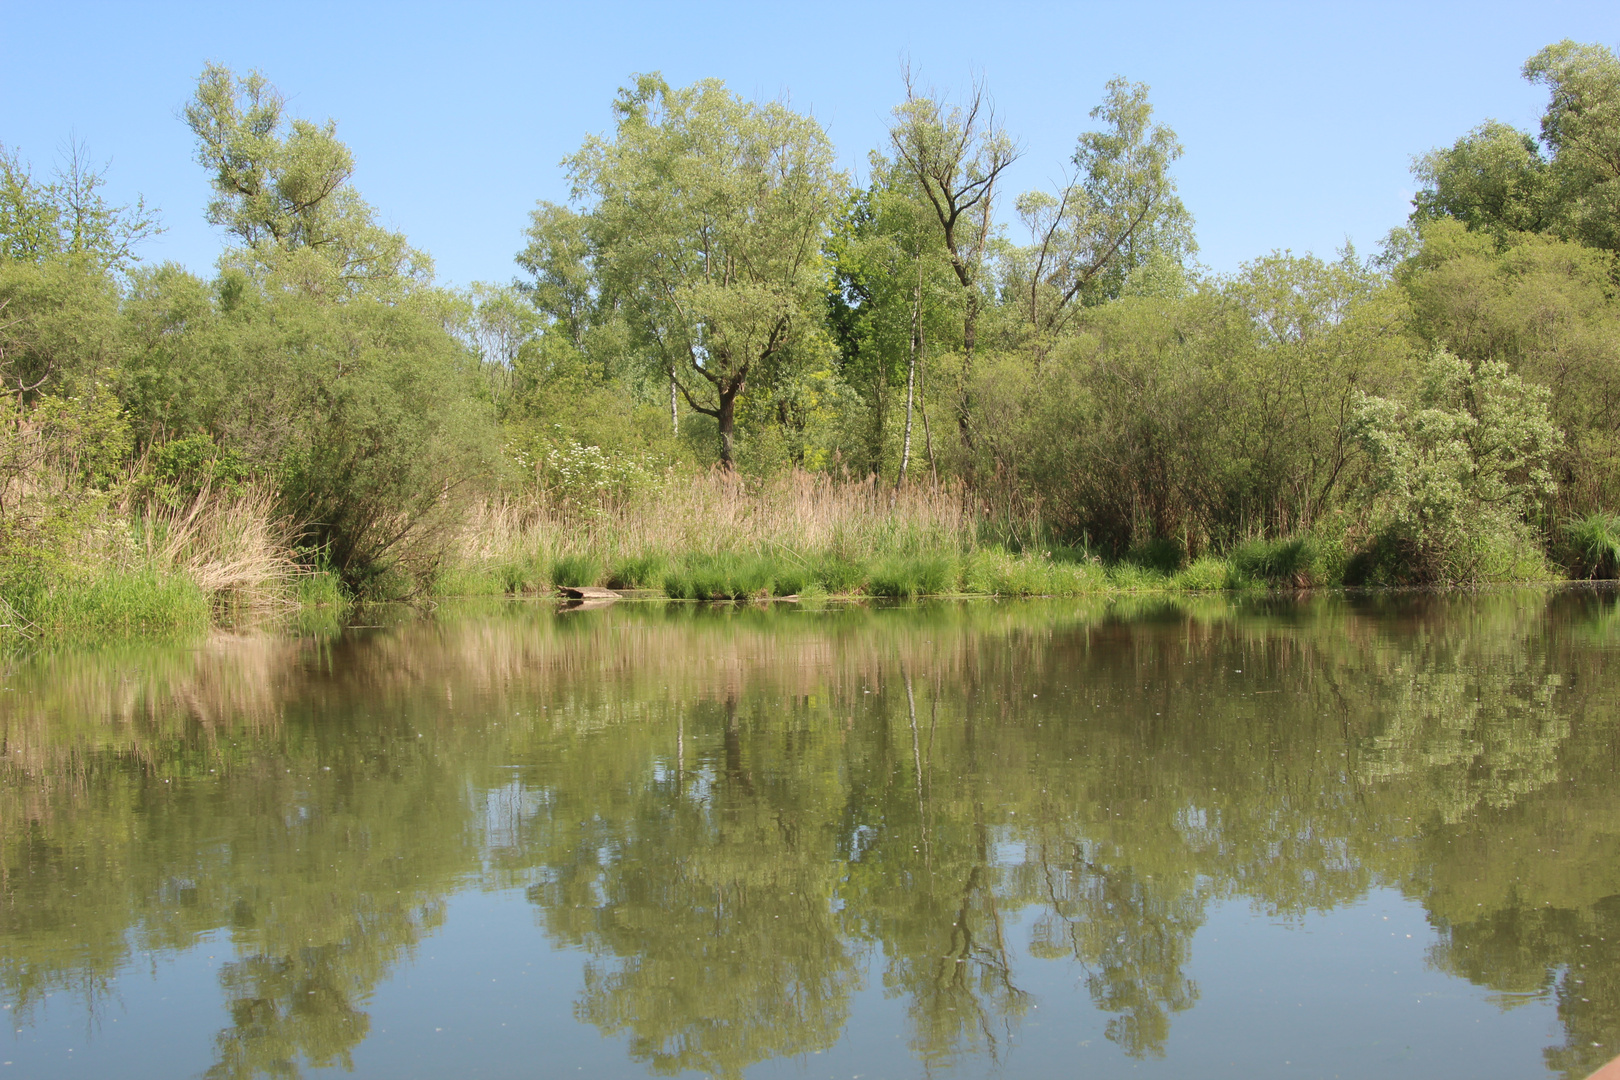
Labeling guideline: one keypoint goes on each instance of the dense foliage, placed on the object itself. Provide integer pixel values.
(719, 295)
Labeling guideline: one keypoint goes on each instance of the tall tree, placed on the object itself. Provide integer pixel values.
(895, 293)
(957, 153)
(707, 215)
(281, 185)
(1582, 129)
(1119, 212)
(1494, 179)
(1501, 180)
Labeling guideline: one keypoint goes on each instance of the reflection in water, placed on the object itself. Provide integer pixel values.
(744, 815)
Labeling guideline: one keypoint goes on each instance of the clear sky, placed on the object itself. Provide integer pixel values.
(1299, 120)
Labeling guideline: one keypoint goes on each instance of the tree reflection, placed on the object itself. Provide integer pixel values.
(743, 815)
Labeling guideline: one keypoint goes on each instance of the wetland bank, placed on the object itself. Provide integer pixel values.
(1190, 812)
(1326, 836)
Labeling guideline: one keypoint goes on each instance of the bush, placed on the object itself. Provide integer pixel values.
(1455, 472)
(1162, 553)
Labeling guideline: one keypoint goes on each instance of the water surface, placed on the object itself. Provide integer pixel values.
(1334, 837)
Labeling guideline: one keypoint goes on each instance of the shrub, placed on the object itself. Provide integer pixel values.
(1162, 553)
(1455, 472)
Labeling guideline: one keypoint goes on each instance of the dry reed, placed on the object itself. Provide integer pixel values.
(233, 547)
(796, 513)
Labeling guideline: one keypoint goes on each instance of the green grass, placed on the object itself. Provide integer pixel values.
(321, 588)
(573, 571)
(1207, 574)
(920, 575)
(1293, 563)
(1592, 545)
(644, 571)
(730, 576)
(841, 575)
(120, 604)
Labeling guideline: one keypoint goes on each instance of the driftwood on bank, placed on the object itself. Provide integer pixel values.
(588, 592)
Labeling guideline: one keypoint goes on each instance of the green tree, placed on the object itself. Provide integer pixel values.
(1457, 471)
(281, 185)
(1546, 307)
(1581, 128)
(1118, 213)
(896, 296)
(1493, 179)
(706, 216)
(67, 216)
(1504, 181)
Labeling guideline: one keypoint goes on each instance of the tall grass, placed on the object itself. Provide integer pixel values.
(234, 548)
(808, 530)
(1592, 545)
(121, 603)
(155, 569)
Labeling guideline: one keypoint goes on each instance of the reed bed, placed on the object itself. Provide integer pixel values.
(235, 549)
(718, 537)
(154, 569)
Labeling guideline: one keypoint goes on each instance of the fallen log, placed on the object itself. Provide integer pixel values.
(587, 592)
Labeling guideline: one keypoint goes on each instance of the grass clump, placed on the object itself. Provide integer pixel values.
(575, 571)
(644, 571)
(841, 575)
(1295, 563)
(1591, 546)
(730, 576)
(121, 603)
(911, 577)
(321, 588)
(1206, 574)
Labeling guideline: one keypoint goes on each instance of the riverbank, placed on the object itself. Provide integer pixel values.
(224, 559)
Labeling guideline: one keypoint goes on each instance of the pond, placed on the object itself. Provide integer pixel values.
(1325, 837)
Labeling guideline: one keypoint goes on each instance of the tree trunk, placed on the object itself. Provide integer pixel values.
(726, 418)
(964, 401)
(911, 374)
(674, 412)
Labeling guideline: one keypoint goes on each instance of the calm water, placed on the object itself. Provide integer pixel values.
(1329, 838)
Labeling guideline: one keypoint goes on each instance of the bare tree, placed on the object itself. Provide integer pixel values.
(956, 153)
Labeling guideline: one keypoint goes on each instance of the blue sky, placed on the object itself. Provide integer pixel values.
(1299, 120)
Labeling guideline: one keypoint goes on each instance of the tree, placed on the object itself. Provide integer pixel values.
(68, 217)
(1500, 180)
(1494, 179)
(282, 185)
(706, 216)
(348, 385)
(957, 153)
(1118, 213)
(894, 295)
(1582, 129)
(1457, 470)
